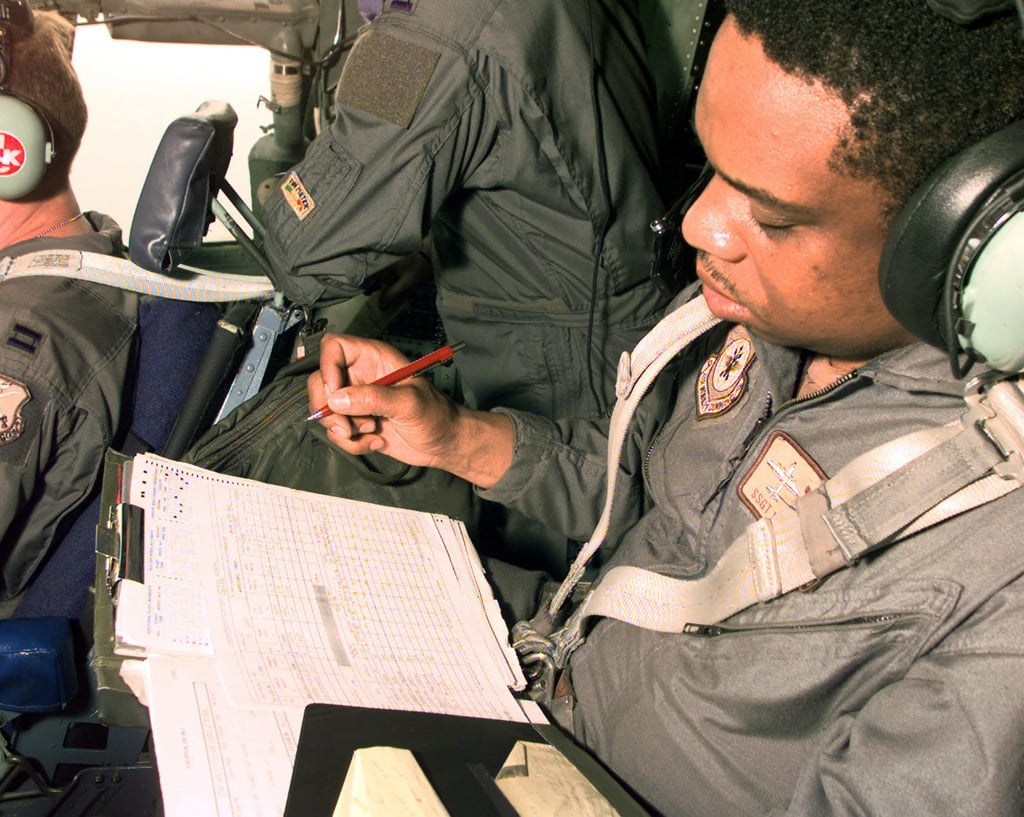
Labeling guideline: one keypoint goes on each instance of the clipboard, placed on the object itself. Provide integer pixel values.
(118, 554)
(459, 756)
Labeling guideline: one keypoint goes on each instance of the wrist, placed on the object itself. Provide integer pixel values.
(482, 446)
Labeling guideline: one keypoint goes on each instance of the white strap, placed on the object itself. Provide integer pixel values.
(772, 557)
(637, 370)
(122, 273)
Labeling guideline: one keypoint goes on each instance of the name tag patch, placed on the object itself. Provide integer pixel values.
(297, 196)
(783, 472)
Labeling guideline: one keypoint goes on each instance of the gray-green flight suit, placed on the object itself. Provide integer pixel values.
(895, 687)
(66, 348)
(473, 120)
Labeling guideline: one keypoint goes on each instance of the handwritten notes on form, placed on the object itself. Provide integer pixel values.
(303, 598)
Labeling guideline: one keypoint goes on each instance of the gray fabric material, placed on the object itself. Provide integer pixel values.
(499, 163)
(896, 687)
(83, 337)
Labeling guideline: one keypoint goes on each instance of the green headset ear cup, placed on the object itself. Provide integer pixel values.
(926, 234)
(992, 300)
(25, 148)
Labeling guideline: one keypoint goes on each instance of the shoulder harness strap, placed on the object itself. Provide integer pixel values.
(879, 498)
(195, 285)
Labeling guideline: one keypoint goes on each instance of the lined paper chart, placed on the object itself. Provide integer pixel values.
(310, 598)
(165, 614)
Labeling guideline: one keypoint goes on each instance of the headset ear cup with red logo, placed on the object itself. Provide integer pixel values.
(25, 148)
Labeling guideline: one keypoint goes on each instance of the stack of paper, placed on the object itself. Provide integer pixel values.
(258, 600)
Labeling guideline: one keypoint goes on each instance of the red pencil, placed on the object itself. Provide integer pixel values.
(418, 366)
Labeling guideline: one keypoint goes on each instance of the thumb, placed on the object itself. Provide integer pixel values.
(363, 400)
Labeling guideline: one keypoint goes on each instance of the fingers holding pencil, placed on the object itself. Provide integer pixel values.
(412, 422)
(397, 375)
(408, 424)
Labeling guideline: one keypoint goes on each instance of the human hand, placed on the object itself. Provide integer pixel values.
(410, 421)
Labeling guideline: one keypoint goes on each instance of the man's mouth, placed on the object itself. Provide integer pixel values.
(718, 291)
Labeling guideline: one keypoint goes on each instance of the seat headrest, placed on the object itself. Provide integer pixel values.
(173, 212)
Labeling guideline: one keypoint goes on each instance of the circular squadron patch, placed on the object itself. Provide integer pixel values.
(13, 397)
(723, 377)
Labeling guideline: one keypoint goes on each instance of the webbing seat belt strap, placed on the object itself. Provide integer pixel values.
(637, 371)
(882, 496)
(805, 543)
(119, 272)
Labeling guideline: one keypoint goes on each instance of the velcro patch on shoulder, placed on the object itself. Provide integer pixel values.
(386, 77)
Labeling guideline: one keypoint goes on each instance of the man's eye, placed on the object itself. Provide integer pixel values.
(772, 229)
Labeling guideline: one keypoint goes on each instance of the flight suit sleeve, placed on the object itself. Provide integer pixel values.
(411, 126)
(558, 475)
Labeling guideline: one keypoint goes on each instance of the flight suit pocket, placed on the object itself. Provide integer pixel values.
(308, 192)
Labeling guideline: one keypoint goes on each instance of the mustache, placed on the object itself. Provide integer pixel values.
(707, 264)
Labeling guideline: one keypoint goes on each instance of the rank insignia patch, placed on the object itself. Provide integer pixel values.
(24, 339)
(783, 472)
(13, 397)
(723, 377)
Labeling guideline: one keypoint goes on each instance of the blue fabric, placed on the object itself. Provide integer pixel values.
(173, 335)
(37, 665)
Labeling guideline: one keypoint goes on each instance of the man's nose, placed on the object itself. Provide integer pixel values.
(707, 224)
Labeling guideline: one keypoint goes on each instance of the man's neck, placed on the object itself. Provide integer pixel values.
(821, 371)
(53, 217)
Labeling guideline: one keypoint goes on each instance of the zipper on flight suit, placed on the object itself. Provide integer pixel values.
(767, 415)
(835, 384)
(761, 421)
(248, 432)
(714, 630)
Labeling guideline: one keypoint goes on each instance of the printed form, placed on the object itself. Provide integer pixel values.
(305, 598)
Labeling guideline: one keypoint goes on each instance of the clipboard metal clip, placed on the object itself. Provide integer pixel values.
(119, 542)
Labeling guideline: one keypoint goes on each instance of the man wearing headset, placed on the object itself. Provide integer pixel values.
(892, 685)
(66, 346)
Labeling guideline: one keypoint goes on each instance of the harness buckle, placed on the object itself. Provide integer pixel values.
(996, 410)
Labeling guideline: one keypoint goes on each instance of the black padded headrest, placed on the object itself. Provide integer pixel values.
(173, 212)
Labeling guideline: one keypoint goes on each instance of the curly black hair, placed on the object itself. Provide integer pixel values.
(920, 87)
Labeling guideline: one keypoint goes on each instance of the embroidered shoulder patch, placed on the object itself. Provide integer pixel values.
(783, 472)
(723, 377)
(13, 397)
(297, 196)
(386, 77)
